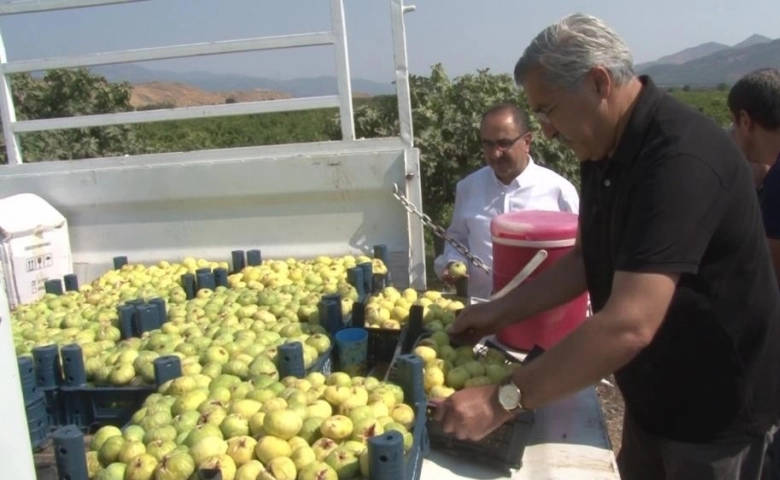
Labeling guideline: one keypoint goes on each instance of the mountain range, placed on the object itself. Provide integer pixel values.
(221, 82)
(711, 64)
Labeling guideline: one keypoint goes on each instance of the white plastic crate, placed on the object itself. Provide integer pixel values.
(34, 246)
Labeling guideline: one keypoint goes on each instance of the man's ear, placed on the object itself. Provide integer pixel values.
(528, 139)
(602, 82)
(746, 122)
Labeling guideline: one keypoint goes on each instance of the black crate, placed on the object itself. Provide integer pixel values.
(385, 344)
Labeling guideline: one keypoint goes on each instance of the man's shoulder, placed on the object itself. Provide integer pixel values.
(475, 177)
(685, 130)
(548, 172)
(551, 177)
(693, 143)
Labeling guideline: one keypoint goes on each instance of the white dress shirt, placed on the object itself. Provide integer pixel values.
(481, 196)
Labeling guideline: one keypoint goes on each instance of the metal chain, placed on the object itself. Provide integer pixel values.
(439, 231)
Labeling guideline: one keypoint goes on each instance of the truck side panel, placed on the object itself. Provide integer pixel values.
(206, 203)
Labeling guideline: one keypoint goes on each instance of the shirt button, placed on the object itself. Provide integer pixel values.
(607, 183)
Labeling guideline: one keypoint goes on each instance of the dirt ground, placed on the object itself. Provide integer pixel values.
(613, 408)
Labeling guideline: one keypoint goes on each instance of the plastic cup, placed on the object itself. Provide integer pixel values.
(352, 345)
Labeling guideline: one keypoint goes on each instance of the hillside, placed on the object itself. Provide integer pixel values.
(688, 54)
(181, 95)
(224, 82)
(711, 64)
(754, 39)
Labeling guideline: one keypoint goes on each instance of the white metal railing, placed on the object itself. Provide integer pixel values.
(337, 37)
(30, 6)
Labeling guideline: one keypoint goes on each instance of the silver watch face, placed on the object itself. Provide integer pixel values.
(509, 396)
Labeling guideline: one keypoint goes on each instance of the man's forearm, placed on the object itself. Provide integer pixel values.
(563, 281)
(604, 342)
(593, 351)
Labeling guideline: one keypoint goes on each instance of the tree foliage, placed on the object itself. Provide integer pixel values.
(67, 93)
(240, 131)
(710, 102)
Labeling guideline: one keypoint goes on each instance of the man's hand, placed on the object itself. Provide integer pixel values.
(472, 413)
(454, 271)
(476, 322)
(447, 278)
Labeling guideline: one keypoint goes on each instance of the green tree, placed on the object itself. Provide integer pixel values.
(67, 93)
(712, 103)
(237, 131)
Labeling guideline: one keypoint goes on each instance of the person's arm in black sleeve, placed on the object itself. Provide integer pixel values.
(770, 210)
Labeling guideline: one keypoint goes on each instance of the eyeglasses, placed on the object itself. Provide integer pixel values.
(503, 143)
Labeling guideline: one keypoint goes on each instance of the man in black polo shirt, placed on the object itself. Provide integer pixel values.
(672, 251)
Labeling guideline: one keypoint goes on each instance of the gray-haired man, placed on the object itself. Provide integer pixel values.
(673, 254)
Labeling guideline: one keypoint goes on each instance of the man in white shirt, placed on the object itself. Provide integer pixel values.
(510, 182)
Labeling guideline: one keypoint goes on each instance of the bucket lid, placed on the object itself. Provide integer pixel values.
(535, 225)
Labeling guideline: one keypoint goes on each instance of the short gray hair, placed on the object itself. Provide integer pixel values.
(569, 48)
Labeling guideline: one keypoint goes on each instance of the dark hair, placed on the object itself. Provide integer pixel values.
(519, 117)
(758, 94)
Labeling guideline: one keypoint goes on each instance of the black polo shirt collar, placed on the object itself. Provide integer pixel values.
(633, 137)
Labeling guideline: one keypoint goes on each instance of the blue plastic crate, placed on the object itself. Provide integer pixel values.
(412, 460)
(55, 408)
(27, 378)
(323, 364)
(409, 375)
(90, 408)
(37, 423)
(422, 444)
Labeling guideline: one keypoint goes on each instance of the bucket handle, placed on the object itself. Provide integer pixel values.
(529, 268)
(521, 276)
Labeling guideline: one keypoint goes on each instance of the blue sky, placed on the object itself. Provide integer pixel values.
(463, 35)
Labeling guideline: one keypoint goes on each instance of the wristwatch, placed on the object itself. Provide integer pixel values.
(509, 396)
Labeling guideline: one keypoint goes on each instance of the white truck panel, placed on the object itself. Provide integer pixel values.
(175, 51)
(179, 113)
(170, 206)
